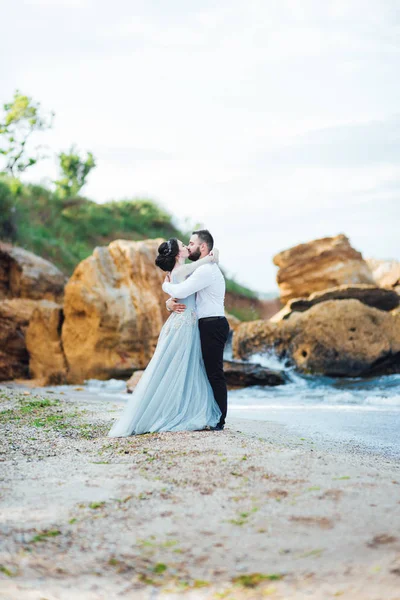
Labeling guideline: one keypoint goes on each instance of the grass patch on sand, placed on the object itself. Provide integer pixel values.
(6, 571)
(95, 505)
(48, 414)
(45, 535)
(29, 406)
(316, 552)
(243, 517)
(159, 568)
(30, 412)
(168, 577)
(90, 431)
(253, 580)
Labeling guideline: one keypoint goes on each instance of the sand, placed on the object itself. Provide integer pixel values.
(251, 512)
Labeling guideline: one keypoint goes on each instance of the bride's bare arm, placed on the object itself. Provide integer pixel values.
(181, 273)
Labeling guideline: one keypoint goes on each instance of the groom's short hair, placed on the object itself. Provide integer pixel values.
(205, 237)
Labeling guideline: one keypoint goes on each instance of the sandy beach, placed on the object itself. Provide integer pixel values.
(251, 512)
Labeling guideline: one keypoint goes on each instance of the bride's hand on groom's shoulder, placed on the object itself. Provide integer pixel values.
(215, 254)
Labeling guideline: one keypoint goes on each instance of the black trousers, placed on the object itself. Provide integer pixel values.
(214, 333)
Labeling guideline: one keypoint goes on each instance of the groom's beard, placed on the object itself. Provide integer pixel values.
(195, 255)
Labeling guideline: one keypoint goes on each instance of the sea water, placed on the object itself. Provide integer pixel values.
(361, 414)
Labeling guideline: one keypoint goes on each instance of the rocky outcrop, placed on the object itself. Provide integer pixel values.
(257, 337)
(233, 321)
(367, 294)
(318, 265)
(43, 341)
(114, 309)
(386, 273)
(242, 374)
(26, 280)
(25, 275)
(15, 315)
(335, 338)
(133, 381)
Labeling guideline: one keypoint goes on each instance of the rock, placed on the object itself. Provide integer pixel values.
(367, 294)
(43, 341)
(254, 337)
(238, 374)
(242, 374)
(285, 312)
(14, 319)
(334, 338)
(133, 381)
(27, 282)
(25, 275)
(319, 265)
(386, 273)
(233, 321)
(114, 309)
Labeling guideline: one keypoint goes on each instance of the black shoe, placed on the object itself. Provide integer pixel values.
(218, 427)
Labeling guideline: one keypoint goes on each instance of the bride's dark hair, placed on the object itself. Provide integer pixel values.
(167, 253)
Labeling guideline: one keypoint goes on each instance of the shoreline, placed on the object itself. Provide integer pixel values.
(295, 428)
(249, 512)
(296, 435)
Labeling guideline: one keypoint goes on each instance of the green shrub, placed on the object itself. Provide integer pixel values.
(65, 231)
(7, 216)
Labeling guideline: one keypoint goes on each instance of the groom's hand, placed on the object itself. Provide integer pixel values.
(173, 305)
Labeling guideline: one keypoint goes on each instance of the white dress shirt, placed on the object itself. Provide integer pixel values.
(208, 283)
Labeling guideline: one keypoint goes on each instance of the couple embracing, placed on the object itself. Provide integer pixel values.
(184, 387)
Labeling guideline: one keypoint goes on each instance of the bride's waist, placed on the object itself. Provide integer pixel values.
(189, 311)
(188, 316)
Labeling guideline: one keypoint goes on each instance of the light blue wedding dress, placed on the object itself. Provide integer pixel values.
(174, 393)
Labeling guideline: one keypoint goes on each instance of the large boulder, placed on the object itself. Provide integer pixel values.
(43, 341)
(318, 265)
(27, 282)
(256, 337)
(133, 381)
(233, 321)
(386, 273)
(335, 338)
(243, 374)
(15, 315)
(25, 275)
(370, 295)
(237, 373)
(114, 309)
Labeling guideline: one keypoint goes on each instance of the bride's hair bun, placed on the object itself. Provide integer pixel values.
(167, 253)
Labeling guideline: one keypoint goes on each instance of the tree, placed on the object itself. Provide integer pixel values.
(22, 119)
(74, 170)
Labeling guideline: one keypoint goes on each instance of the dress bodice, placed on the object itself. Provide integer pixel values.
(190, 301)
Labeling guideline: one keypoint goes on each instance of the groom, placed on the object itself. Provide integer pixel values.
(209, 285)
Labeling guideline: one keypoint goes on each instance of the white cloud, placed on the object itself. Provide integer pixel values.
(272, 121)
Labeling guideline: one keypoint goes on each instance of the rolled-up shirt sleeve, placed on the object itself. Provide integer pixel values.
(199, 280)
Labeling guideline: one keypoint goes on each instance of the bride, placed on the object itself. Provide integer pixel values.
(174, 393)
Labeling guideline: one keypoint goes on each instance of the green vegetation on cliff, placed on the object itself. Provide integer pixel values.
(65, 231)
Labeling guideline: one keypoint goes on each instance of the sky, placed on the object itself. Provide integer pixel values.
(270, 122)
